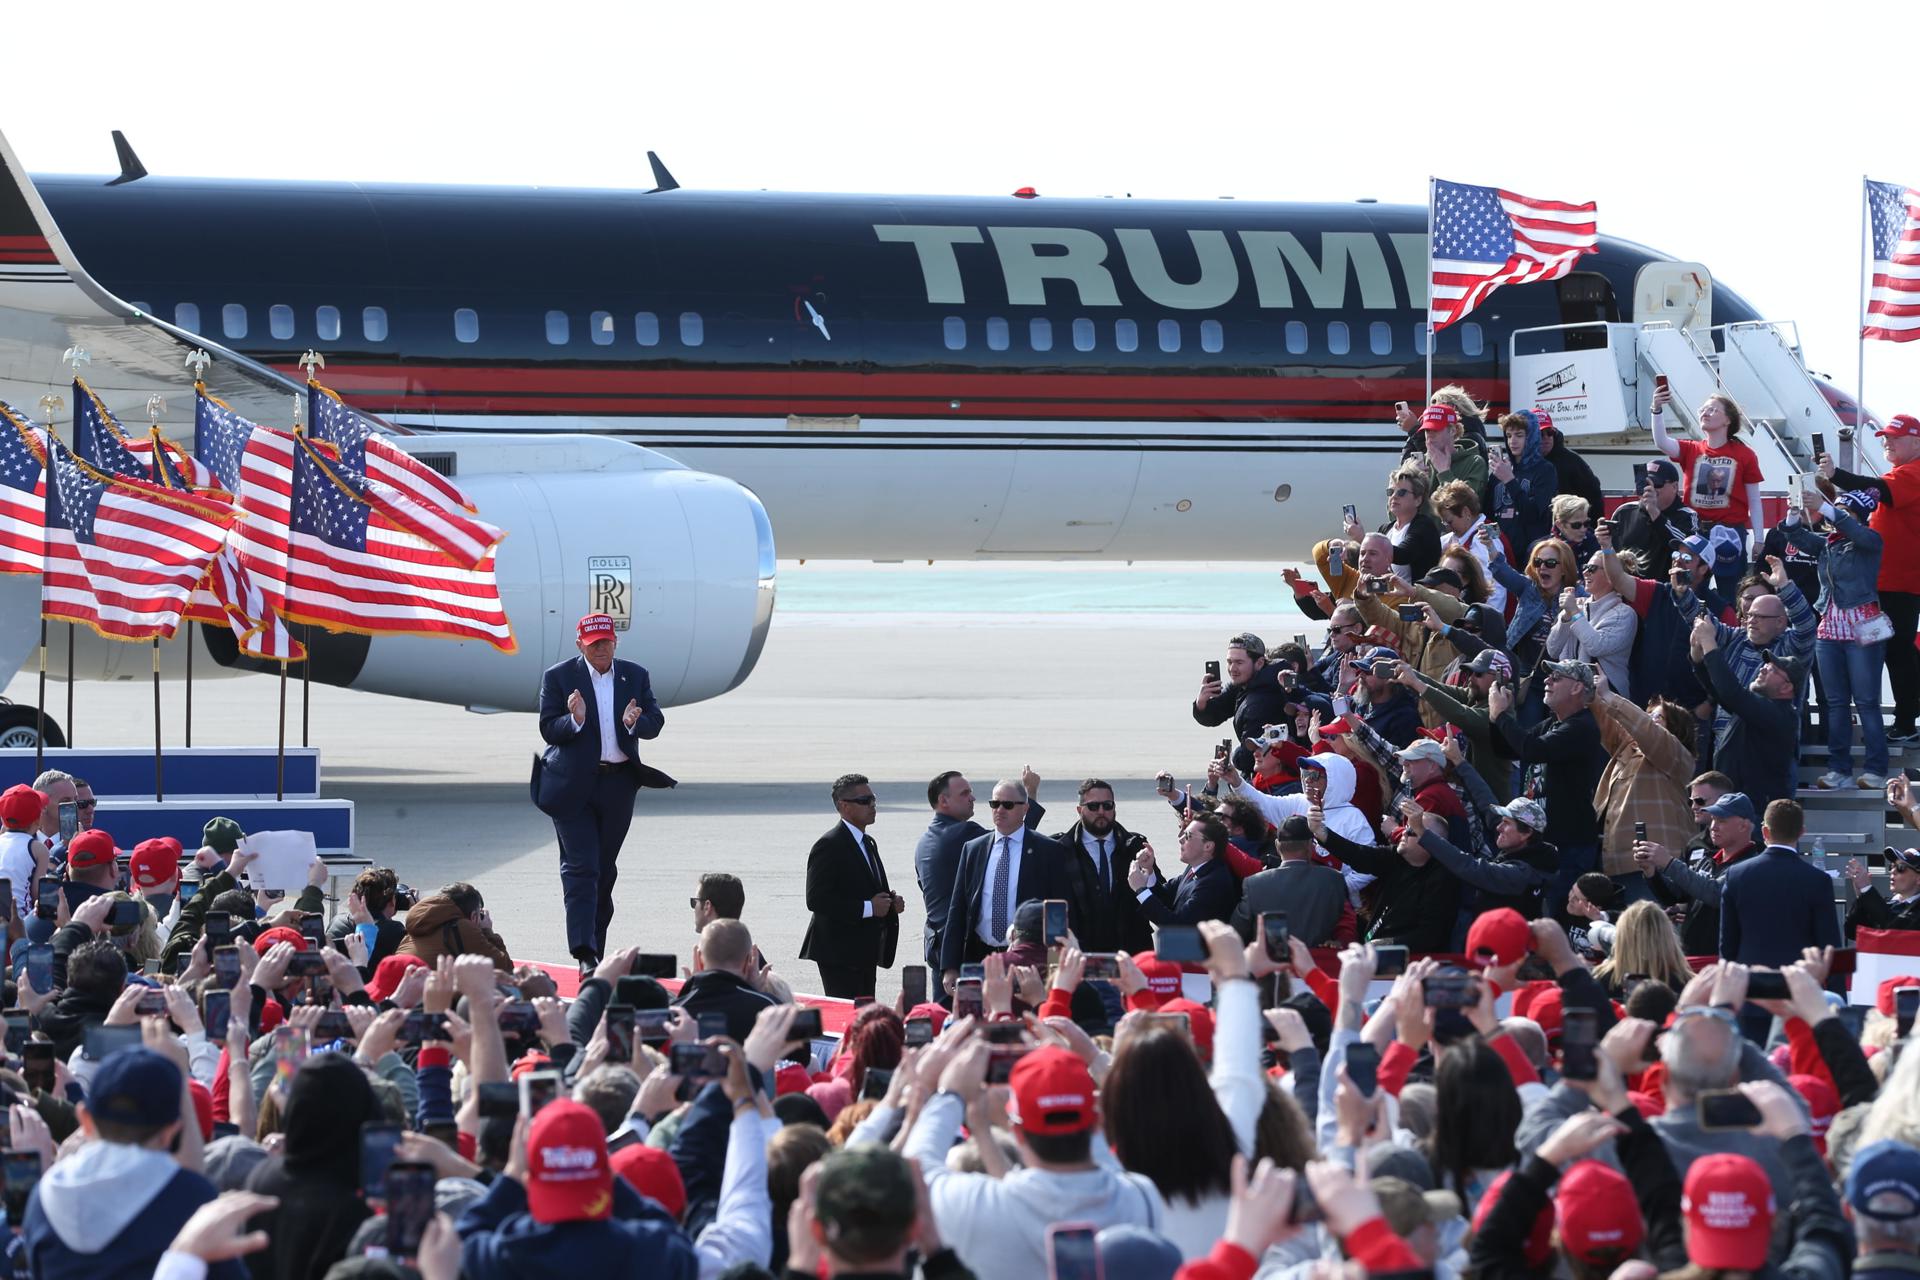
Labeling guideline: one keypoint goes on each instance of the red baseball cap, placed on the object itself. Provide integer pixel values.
(389, 974)
(652, 1173)
(595, 626)
(1728, 1203)
(91, 848)
(1052, 1093)
(1439, 417)
(1501, 934)
(1598, 1217)
(21, 805)
(1542, 419)
(154, 861)
(933, 1013)
(1539, 1243)
(1900, 424)
(202, 1108)
(280, 933)
(529, 1062)
(1547, 1007)
(1334, 728)
(1822, 1105)
(1883, 994)
(1199, 1021)
(568, 1176)
(1163, 976)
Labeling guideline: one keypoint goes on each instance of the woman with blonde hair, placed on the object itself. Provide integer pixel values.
(1410, 526)
(1644, 941)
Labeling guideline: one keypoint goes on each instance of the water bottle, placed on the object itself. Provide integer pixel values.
(1820, 848)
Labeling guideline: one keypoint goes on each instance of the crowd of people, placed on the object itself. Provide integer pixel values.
(1491, 951)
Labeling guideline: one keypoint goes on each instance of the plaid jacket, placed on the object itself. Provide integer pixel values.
(1645, 781)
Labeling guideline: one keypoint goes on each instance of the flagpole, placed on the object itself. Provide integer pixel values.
(189, 715)
(159, 779)
(1429, 396)
(196, 363)
(49, 406)
(280, 773)
(40, 718)
(1860, 337)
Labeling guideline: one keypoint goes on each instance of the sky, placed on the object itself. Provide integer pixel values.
(1731, 135)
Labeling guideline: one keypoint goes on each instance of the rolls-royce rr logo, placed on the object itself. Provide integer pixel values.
(610, 588)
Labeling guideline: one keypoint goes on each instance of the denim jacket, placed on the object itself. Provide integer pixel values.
(1849, 567)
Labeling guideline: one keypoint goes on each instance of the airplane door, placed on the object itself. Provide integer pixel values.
(1066, 500)
(1680, 293)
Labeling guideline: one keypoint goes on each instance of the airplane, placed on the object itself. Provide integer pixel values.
(646, 388)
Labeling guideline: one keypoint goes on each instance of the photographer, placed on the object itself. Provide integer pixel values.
(1650, 525)
(1410, 526)
(1597, 629)
(1418, 617)
(1562, 760)
(1760, 747)
(1251, 699)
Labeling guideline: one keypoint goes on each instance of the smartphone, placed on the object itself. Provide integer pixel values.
(102, 1041)
(711, 1023)
(1349, 514)
(876, 1083)
(1223, 749)
(1054, 916)
(913, 985)
(40, 966)
(973, 973)
(307, 964)
(1449, 989)
(1640, 831)
(1391, 962)
(36, 1057)
(1579, 1038)
(1906, 1003)
(655, 964)
(1274, 935)
(49, 900)
(1336, 560)
(1306, 1210)
(1001, 1061)
(314, 930)
(1180, 943)
(806, 1025)
(1178, 1023)
(620, 1026)
(151, 1004)
(1819, 443)
(1363, 1067)
(499, 1098)
(1410, 612)
(19, 1029)
(219, 929)
(421, 1026)
(968, 1002)
(698, 1061)
(651, 1026)
(919, 1032)
(21, 1171)
(1852, 1016)
(1072, 1253)
(1004, 1033)
(1727, 1109)
(1639, 477)
(333, 1025)
(408, 1191)
(1767, 984)
(538, 1088)
(1659, 382)
(124, 915)
(69, 821)
(216, 1009)
(1101, 966)
(377, 1143)
(226, 967)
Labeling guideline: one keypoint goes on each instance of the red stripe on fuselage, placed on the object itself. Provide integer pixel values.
(25, 249)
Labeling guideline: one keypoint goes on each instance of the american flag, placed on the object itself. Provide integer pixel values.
(398, 485)
(23, 504)
(102, 442)
(350, 568)
(122, 555)
(1484, 237)
(1893, 303)
(247, 584)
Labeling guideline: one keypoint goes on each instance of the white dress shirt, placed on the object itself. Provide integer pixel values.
(860, 843)
(1015, 843)
(610, 752)
(1091, 843)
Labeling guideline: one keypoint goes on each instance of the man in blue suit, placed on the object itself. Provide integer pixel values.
(999, 870)
(593, 712)
(1774, 906)
(1206, 890)
(936, 858)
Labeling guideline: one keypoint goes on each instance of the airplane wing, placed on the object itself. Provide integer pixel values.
(48, 303)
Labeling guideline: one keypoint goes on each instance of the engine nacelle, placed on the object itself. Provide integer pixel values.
(684, 558)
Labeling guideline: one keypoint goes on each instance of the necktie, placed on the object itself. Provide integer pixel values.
(873, 861)
(1106, 871)
(1002, 877)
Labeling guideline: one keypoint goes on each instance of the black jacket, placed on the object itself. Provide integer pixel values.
(1569, 760)
(1103, 920)
(1652, 538)
(1503, 877)
(1209, 891)
(1252, 707)
(1871, 911)
(316, 1173)
(717, 991)
(1419, 550)
(839, 880)
(1762, 749)
(67, 1016)
(1575, 476)
(1412, 906)
(1702, 880)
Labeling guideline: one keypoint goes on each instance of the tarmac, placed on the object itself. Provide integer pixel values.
(440, 793)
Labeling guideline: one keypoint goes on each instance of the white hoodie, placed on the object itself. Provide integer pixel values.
(91, 1196)
(1337, 806)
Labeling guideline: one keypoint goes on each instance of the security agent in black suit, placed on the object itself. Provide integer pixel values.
(936, 858)
(593, 712)
(856, 917)
(998, 872)
(1207, 890)
(1103, 912)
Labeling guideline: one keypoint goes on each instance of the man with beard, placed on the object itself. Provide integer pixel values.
(1099, 850)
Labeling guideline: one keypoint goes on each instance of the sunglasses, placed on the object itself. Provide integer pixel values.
(1097, 806)
(1693, 803)
(1546, 564)
(1399, 493)
(1005, 804)
(1576, 524)
(85, 804)
(859, 800)
(695, 902)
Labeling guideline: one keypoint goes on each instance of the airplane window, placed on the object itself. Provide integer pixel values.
(1126, 335)
(373, 323)
(954, 330)
(646, 328)
(233, 320)
(557, 328)
(693, 330)
(280, 321)
(1296, 338)
(1471, 342)
(466, 325)
(1380, 338)
(1420, 340)
(326, 323)
(1040, 333)
(1083, 335)
(996, 333)
(1211, 336)
(600, 326)
(1337, 340)
(1169, 335)
(187, 316)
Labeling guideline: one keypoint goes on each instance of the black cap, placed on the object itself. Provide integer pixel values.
(1295, 831)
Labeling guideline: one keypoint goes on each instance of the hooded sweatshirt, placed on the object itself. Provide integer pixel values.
(1523, 505)
(437, 927)
(316, 1174)
(1338, 807)
(999, 1225)
(501, 1239)
(110, 1210)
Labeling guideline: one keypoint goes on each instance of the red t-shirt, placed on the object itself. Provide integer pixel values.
(1716, 480)
(1898, 524)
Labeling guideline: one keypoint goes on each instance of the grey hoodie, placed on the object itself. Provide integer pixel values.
(90, 1196)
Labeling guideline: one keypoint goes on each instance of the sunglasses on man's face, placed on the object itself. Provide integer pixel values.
(1005, 804)
(85, 804)
(1096, 805)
